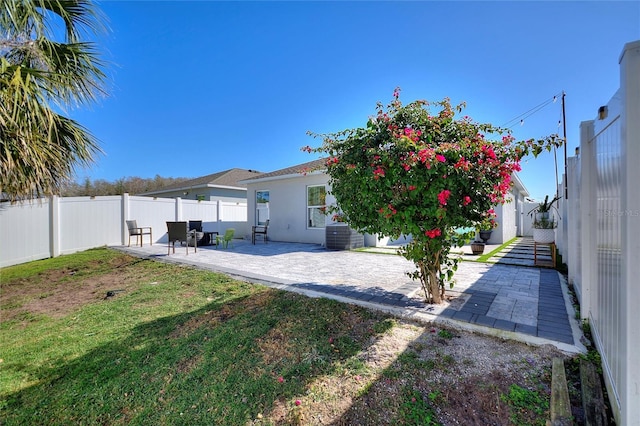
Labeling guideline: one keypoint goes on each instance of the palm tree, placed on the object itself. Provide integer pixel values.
(40, 79)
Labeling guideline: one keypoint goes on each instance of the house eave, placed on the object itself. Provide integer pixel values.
(519, 185)
(281, 177)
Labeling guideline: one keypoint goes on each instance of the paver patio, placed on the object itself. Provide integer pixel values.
(520, 302)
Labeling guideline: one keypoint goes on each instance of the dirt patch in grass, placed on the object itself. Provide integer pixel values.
(224, 313)
(57, 292)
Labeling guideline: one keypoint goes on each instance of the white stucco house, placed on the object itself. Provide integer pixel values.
(511, 217)
(292, 199)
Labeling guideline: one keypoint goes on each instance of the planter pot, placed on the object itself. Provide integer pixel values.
(485, 236)
(477, 247)
(544, 236)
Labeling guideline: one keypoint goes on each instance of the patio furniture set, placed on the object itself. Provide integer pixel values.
(191, 234)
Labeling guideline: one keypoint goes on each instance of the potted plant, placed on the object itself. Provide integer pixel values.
(543, 210)
(487, 225)
(477, 247)
(544, 224)
(486, 229)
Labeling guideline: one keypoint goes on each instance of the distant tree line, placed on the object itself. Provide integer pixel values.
(131, 185)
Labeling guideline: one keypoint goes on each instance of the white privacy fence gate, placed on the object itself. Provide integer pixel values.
(49, 227)
(601, 236)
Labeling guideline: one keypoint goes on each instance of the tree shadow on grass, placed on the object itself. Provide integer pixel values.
(227, 363)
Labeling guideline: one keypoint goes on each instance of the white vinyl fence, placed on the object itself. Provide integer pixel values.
(50, 227)
(601, 236)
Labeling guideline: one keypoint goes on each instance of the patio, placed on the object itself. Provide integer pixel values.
(517, 302)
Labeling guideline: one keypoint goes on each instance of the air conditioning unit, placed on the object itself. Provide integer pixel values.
(342, 237)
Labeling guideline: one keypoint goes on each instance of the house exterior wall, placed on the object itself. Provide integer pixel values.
(506, 218)
(287, 211)
(511, 218)
(288, 207)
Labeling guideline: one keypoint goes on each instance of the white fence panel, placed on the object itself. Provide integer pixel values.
(607, 233)
(24, 232)
(234, 215)
(607, 310)
(153, 212)
(233, 212)
(86, 223)
(527, 218)
(50, 227)
(206, 211)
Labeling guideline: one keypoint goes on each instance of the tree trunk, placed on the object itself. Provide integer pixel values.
(433, 291)
(434, 284)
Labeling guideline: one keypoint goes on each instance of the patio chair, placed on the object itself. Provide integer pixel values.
(178, 231)
(195, 225)
(138, 231)
(259, 230)
(196, 236)
(225, 239)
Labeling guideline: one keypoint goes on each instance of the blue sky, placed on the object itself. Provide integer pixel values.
(200, 87)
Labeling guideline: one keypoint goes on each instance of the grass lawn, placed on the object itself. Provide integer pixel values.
(100, 337)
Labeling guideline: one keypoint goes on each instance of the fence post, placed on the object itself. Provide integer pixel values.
(125, 216)
(54, 226)
(630, 229)
(573, 219)
(588, 217)
(178, 209)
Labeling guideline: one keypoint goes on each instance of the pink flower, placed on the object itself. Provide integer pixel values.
(443, 196)
(280, 379)
(412, 187)
(441, 158)
(463, 164)
(466, 200)
(298, 402)
(406, 166)
(378, 173)
(432, 233)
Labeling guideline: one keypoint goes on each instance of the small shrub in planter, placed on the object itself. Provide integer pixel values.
(544, 231)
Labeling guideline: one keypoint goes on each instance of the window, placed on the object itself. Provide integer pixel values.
(262, 207)
(316, 196)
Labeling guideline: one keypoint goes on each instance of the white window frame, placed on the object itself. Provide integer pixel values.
(266, 207)
(314, 211)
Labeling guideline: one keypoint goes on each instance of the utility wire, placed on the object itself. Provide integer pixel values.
(520, 118)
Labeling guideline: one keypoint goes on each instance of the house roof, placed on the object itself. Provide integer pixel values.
(293, 171)
(226, 179)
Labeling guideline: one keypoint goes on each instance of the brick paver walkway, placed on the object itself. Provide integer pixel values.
(519, 299)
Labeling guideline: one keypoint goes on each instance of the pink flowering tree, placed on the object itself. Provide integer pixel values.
(426, 174)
